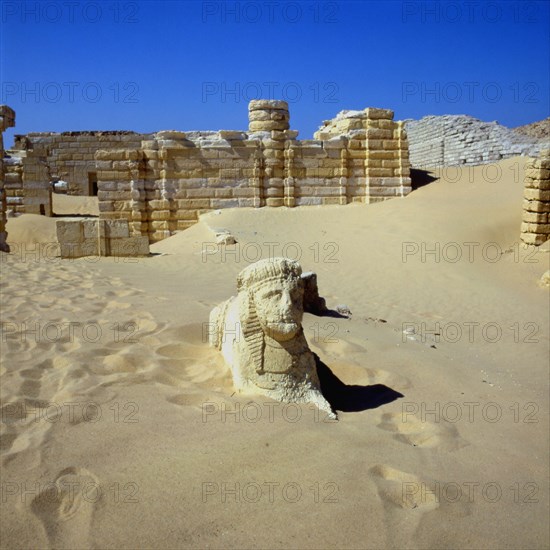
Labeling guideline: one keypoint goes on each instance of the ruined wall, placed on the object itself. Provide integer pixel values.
(69, 156)
(7, 120)
(535, 227)
(452, 140)
(13, 184)
(93, 237)
(163, 185)
(377, 152)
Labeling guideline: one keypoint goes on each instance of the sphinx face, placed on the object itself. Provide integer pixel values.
(279, 306)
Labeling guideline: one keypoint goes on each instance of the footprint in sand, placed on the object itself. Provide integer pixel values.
(402, 490)
(405, 502)
(411, 430)
(66, 507)
(409, 501)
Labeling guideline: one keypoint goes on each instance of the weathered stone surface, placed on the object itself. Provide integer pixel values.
(535, 226)
(260, 335)
(166, 178)
(451, 140)
(94, 237)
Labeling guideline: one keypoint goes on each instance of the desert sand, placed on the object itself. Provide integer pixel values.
(125, 431)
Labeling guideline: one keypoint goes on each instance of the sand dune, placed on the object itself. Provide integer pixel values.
(121, 428)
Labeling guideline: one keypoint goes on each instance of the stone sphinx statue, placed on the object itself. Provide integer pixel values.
(260, 335)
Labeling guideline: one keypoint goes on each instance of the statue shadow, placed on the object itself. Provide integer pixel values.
(329, 313)
(352, 398)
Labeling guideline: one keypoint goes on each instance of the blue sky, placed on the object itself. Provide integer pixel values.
(148, 66)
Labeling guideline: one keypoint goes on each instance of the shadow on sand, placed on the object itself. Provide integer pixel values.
(420, 178)
(346, 398)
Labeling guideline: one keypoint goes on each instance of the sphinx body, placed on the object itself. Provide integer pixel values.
(260, 335)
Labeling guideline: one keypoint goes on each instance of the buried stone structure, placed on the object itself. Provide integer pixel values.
(260, 334)
(160, 183)
(163, 186)
(535, 226)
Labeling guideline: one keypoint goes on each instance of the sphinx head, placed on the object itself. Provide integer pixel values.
(273, 293)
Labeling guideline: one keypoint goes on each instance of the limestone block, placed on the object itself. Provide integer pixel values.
(201, 192)
(69, 231)
(308, 201)
(159, 215)
(537, 173)
(382, 155)
(273, 201)
(534, 238)
(537, 194)
(535, 217)
(374, 113)
(379, 134)
(129, 246)
(116, 229)
(380, 172)
(224, 203)
(268, 125)
(105, 206)
(90, 228)
(187, 215)
(247, 203)
(170, 134)
(259, 333)
(267, 104)
(193, 203)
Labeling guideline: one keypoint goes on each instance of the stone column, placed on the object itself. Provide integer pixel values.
(7, 120)
(270, 118)
(343, 180)
(258, 177)
(403, 171)
(535, 226)
(289, 198)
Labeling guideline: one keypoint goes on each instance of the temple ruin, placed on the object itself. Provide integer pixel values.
(161, 182)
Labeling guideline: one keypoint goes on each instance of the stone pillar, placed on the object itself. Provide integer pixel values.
(271, 117)
(403, 171)
(289, 198)
(535, 227)
(258, 178)
(343, 180)
(7, 120)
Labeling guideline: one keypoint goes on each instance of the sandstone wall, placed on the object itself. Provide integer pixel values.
(163, 185)
(457, 139)
(535, 227)
(7, 120)
(93, 237)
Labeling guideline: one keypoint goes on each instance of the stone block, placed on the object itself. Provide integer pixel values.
(129, 246)
(193, 203)
(534, 238)
(537, 194)
(376, 114)
(116, 229)
(267, 104)
(535, 217)
(274, 201)
(224, 203)
(69, 231)
(186, 215)
(90, 228)
(535, 206)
